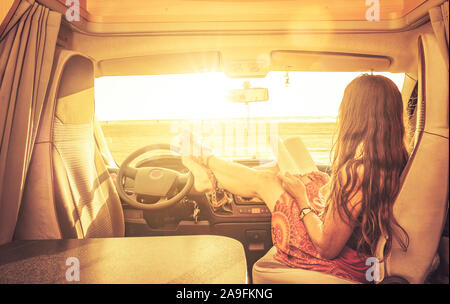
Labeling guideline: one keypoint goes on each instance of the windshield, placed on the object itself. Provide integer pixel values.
(135, 111)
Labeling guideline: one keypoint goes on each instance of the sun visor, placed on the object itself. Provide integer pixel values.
(327, 61)
(160, 64)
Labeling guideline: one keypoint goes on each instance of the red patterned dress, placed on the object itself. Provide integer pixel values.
(294, 247)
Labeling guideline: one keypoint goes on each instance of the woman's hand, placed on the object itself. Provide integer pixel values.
(296, 188)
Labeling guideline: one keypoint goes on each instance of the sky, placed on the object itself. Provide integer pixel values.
(202, 95)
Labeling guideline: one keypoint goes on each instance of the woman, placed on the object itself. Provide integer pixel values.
(331, 224)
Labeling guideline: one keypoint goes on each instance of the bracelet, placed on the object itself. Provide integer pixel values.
(304, 212)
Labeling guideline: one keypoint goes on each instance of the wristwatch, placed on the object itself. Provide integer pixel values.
(304, 212)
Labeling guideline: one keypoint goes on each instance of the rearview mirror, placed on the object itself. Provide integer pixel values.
(248, 95)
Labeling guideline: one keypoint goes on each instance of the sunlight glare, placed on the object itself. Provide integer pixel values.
(202, 96)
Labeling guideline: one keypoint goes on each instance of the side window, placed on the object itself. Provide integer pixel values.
(411, 111)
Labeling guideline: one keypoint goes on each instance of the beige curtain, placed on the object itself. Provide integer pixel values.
(439, 21)
(27, 48)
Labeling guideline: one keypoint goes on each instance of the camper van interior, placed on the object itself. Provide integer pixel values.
(96, 94)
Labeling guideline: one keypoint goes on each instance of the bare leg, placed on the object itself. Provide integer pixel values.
(238, 179)
(272, 167)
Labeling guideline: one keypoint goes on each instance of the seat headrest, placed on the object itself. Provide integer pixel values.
(75, 97)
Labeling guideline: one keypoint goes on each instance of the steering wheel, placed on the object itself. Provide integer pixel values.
(154, 181)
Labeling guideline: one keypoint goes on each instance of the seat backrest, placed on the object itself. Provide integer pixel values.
(422, 203)
(69, 192)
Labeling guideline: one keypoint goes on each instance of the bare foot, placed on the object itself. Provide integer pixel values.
(201, 179)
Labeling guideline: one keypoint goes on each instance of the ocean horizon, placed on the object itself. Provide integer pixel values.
(229, 137)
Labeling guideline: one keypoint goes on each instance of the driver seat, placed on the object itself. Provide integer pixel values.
(69, 192)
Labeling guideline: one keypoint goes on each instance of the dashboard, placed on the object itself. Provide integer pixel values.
(238, 209)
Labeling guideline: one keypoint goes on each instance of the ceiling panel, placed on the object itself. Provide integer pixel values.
(132, 11)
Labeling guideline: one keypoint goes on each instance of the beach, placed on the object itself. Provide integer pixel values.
(230, 138)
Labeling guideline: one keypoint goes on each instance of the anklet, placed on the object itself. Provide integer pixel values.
(206, 161)
(226, 198)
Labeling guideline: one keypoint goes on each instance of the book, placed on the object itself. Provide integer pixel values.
(293, 156)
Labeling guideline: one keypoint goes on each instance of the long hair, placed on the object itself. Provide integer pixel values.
(370, 136)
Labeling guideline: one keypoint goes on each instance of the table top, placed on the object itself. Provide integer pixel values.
(158, 260)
